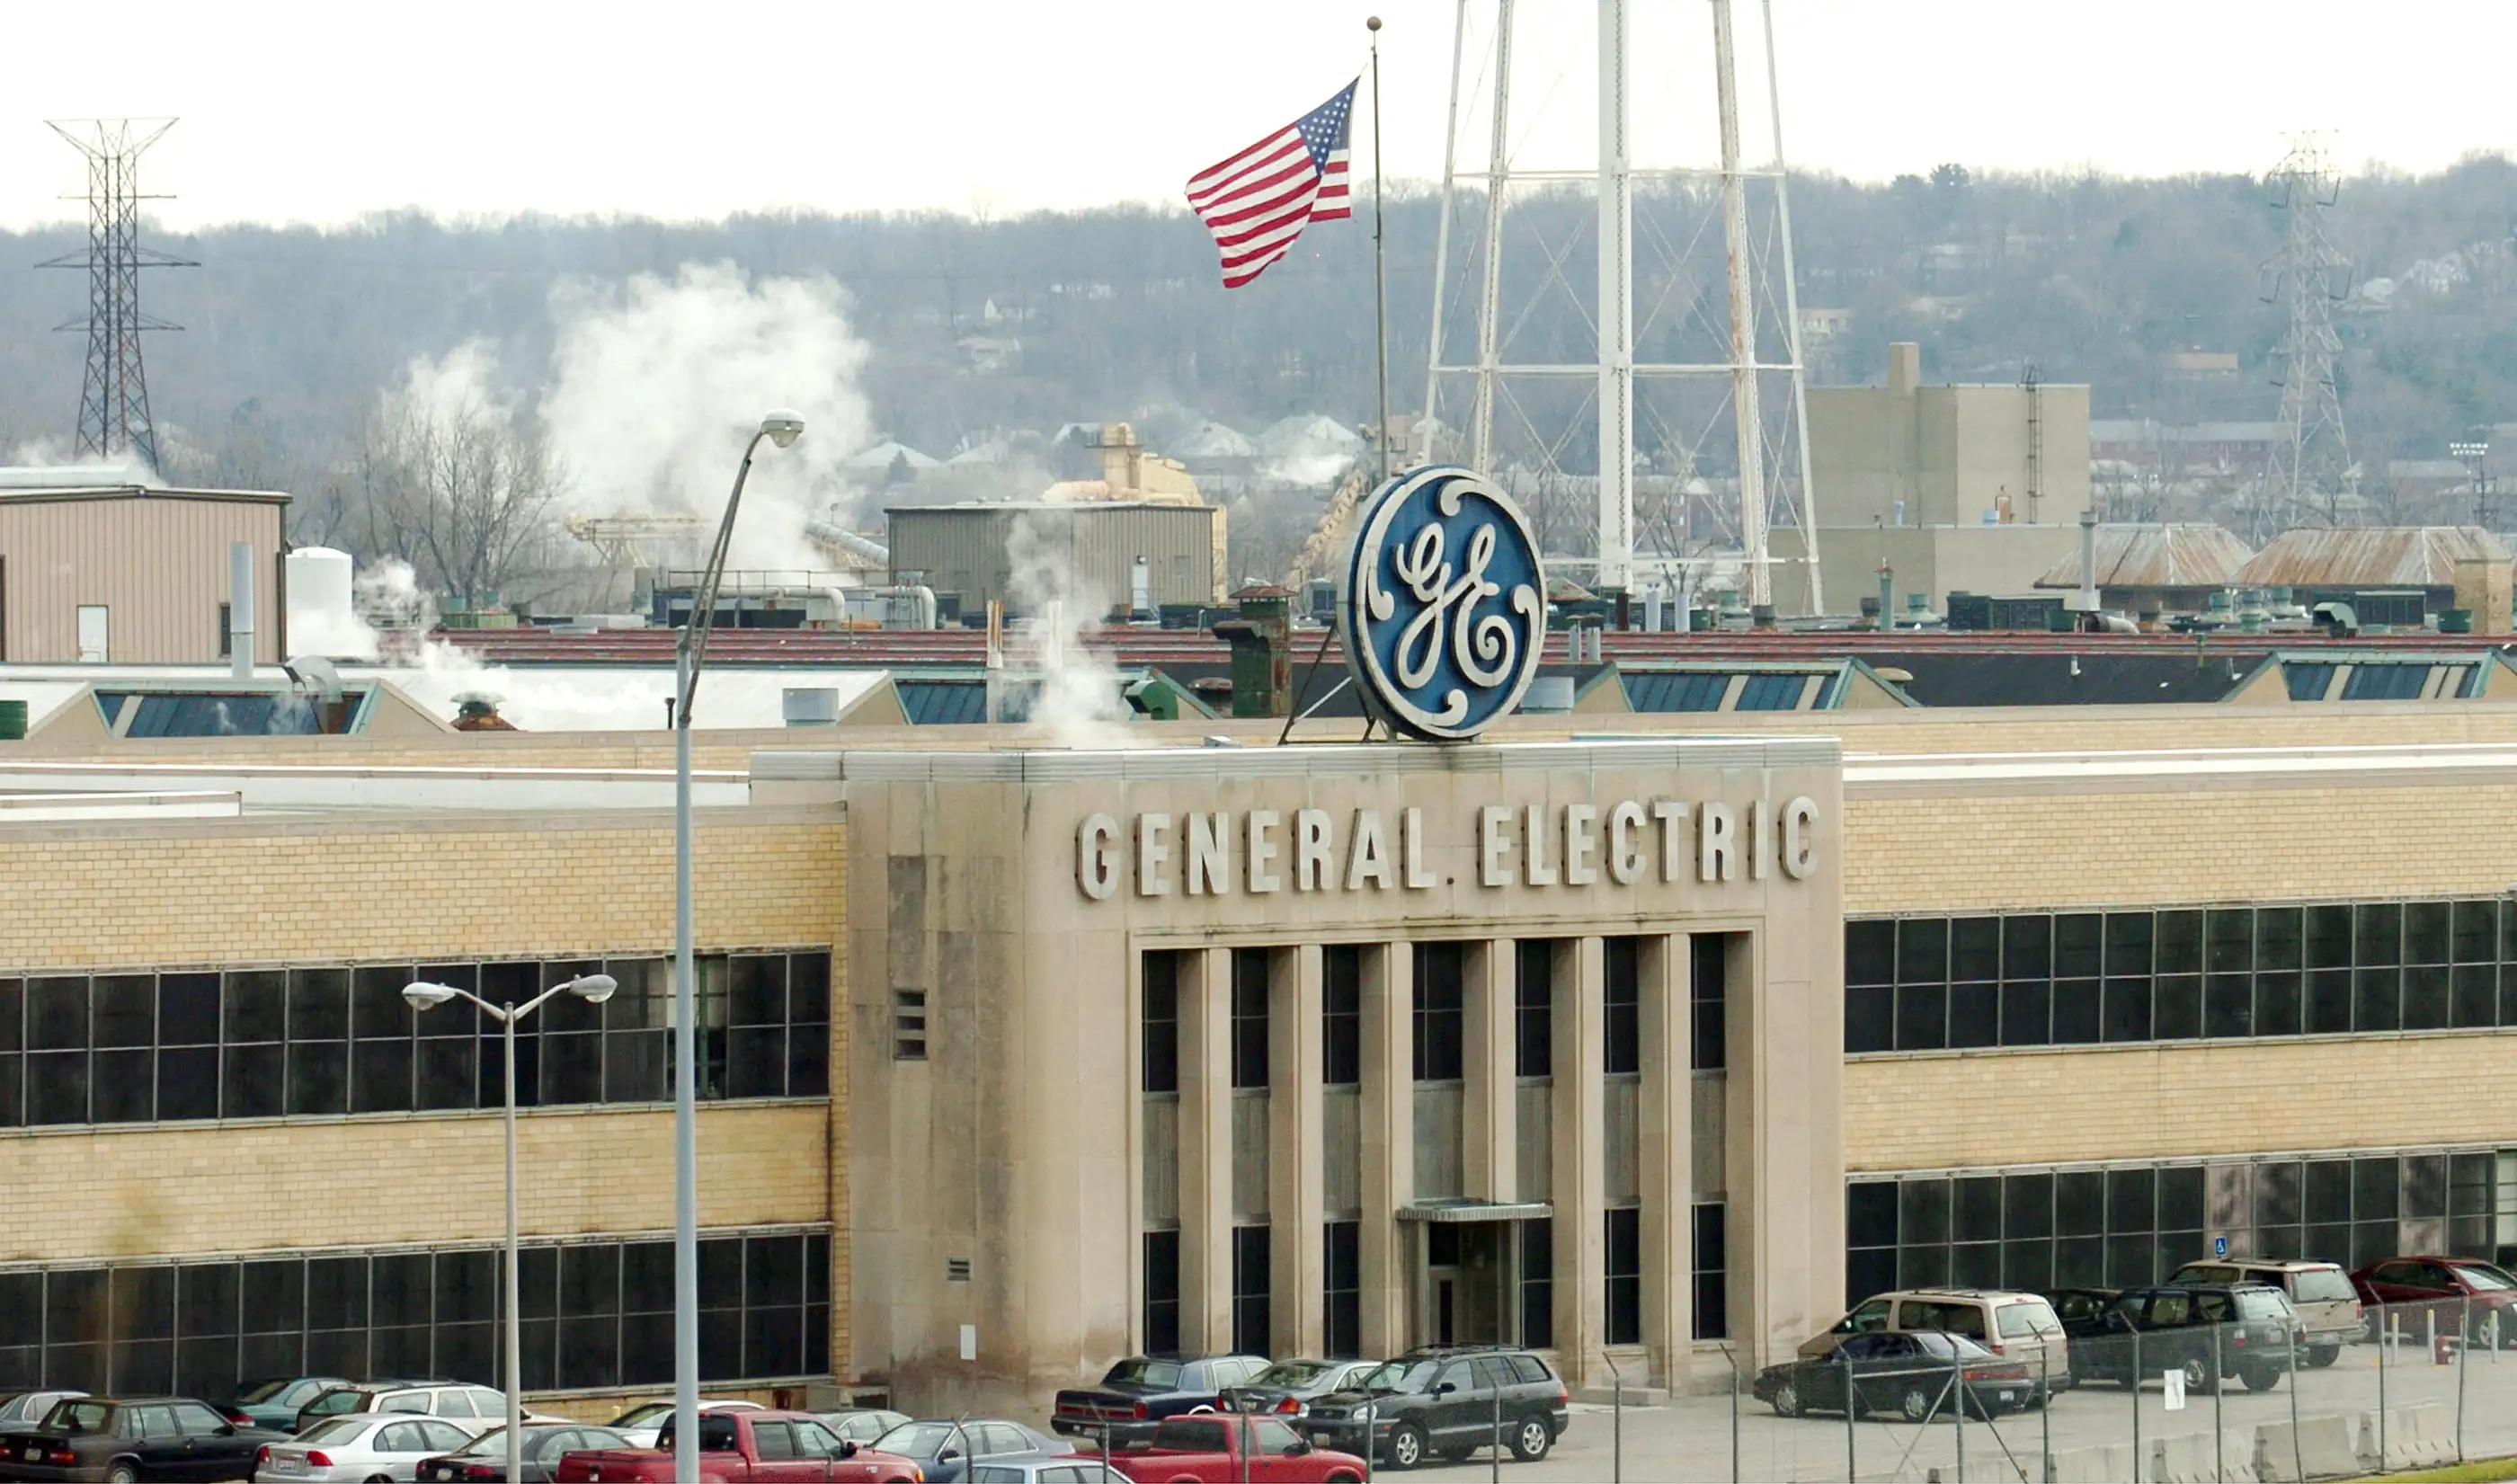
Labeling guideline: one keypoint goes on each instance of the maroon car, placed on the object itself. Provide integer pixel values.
(2422, 1295)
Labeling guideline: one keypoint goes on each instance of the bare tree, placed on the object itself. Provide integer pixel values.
(463, 493)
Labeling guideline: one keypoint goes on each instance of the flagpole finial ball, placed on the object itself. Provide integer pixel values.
(1372, 23)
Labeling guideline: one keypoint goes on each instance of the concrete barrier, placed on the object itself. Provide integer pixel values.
(2202, 1458)
(2107, 1464)
(2316, 1448)
(2415, 1437)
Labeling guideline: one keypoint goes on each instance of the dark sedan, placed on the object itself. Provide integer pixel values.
(544, 1442)
(1907, 1375)
(944, 1450)
(1288, 1387)
(126, 1439)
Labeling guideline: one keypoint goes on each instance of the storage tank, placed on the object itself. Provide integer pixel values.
(322, 619)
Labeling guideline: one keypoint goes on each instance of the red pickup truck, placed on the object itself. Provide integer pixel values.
(1207, 1450)
(747, 1448)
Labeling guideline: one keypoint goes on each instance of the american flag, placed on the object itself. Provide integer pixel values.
(1258, 201)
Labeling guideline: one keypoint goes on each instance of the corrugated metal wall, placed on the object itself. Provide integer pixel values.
(1090, 548)
(158, 564)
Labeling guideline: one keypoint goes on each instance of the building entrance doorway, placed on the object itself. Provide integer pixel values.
(1466, 1280)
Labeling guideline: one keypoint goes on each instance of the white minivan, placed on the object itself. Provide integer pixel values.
(2020, 1327)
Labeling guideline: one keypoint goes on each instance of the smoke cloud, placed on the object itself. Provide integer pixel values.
(656, 384)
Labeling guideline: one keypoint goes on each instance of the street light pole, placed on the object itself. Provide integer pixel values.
(781, 427)
(594, 989)
(2475, 453)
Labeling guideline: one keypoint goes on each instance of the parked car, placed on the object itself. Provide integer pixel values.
(1444, 1403)
(640, 1423)
(1903, 1373)
(1074, 1469)
(25, 1409)
(356, 1448)
(2080, 1310)
(862, 1424)
(1208, 1450)
(2442, 1292)
(545, 1443)
(1141, 1391)
(2329, 1315)
(1288, 1387)
(758, 1446)
(125, 1439)
(2014, 1326)
(2256, 1330)
(274, 1402)
(474, 1409)
(945, 1448)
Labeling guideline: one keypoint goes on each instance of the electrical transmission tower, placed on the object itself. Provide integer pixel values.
(2311, 464)
(113, 399)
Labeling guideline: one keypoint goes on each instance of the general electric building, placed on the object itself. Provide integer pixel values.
(1344, 1048)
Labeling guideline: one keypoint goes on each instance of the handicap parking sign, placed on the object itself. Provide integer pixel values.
(2219, 1247)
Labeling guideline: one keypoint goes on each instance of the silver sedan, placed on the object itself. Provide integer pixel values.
(358, 1447)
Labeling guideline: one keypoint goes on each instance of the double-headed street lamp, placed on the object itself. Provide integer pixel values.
(2475, 451)
(593, 989)
(782, 427)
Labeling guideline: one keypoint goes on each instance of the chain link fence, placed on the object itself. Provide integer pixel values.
(2425, 1384)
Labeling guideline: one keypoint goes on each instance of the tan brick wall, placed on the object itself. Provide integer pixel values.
(364, 888)
(2088, 1103)
(2161, 849)
(145, 1191)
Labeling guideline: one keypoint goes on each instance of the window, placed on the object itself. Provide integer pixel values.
(1162, 1292)
(1621, 987)
(1711, 1273)
(2031, 980)
(198, 1326)
(1771, 693)
(327, 1041)
(1342, 1014)
(1161, 1016)
(1249, 1018)
(1341, 1272)
(1708, 962)
(1251, 1264)
(1625, 1275)
(1533, 1007)
(1440, 1049)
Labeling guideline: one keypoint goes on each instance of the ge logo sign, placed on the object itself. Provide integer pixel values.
(1444, 607)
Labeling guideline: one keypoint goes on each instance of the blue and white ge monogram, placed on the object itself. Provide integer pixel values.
(1444, 607)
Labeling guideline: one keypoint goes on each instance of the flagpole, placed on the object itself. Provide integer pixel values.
(1380, 260)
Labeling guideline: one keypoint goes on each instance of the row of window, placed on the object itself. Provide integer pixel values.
(595, 1314)
(1342, 1288)
(2036, 979)
(330, 1041)
(2133, 1225)
(1438, 1010)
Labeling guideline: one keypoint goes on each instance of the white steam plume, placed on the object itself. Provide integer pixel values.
(657, 385)
(1079, 689)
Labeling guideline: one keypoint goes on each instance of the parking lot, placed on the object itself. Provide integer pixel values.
(1692, 1438)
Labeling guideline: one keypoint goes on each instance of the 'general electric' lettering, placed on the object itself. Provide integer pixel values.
(1631, 842)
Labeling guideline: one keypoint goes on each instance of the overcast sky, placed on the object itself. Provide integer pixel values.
(320, 113)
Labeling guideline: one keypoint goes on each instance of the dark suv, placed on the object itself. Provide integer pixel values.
(2208, 1330)
(1447, 1404)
